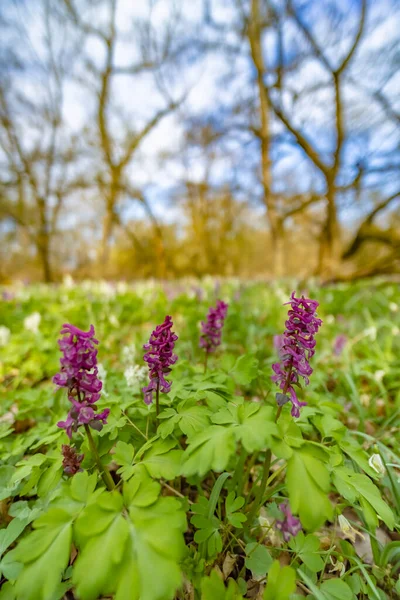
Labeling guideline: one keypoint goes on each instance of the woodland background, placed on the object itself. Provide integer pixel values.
(249, 138)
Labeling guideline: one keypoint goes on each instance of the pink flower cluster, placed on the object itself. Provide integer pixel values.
(290, 526)
(211, 330)
(160, 357)
(297, 348)
(78, 374)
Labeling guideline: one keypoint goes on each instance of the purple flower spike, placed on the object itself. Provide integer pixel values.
(339, 344)
(211, 330)
(290, 525)
(297, 348)
(78, 374)
(160, 357)
(71, 460)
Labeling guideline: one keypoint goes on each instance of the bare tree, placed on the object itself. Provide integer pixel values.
(119, 145)
(36, 154)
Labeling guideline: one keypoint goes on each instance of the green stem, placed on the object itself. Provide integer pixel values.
(237, 479)
(103, 472)
(259, 495)
(205, 362)
(158, 399)
(261, 489)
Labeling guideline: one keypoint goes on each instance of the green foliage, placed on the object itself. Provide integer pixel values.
(209, 449)
(45, 555)
(308, 479)
(125, 540)
(212, 587)
(208, 527)
(281, 582)
(354, 486)
(232, 506)
(202, 459)
(245, 369)
(258, 559)
(307, 548)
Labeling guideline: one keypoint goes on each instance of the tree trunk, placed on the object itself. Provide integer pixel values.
(278, 248)
(106, 235)
(275, 222)
(43, 248)
(328, 260)
(43, 240)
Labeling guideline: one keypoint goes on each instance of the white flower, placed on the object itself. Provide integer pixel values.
(122, 287)
(32, 322)
(135, 374)
(375, 462)
(371, 332)
(128, 354)
(379, 375)
(102, 375)
(106, 290)
(329, 319)
(365, 399)
(113, 320)
(337, 566)
(393, 306)
(5, 335)
(395, 330)
(347, 529)
(68, 281)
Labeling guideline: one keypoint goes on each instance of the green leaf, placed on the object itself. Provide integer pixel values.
(245, 369)
(258, 559)
(45, 554)
(124, 454)
(307, 548)
(232, 505)
(162, 460)
(308, 485)
(281, 582)
(355, 486)
(193, 419)
(7, 591)
(50, 478)
(336, 589)
(209, 449)
(11, 533)
(206, 523)
(96, 563)
(252, 424)
(213, 588)
(125, 540)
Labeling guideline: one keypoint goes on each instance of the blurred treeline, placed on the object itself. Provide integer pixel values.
(174, 137)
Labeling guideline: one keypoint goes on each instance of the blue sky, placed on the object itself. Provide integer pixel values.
(214, 81)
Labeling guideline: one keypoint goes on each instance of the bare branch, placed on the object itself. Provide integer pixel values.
(307, 33)
(357, 39)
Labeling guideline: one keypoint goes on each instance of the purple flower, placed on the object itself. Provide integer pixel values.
(339, 344)
(7, 296)
(290, 525)
(211, 330)
(78, 374)
(71, 460)
(279, 342)
(160, 357)
(297, 348)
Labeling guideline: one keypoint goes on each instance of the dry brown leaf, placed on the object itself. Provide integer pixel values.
(229, 564)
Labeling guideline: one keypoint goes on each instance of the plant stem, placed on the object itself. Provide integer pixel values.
(205, 362)
(261, 489)
(237, 479)
(267, 463)
(158, 399)
(103, 472)
(135, 426)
